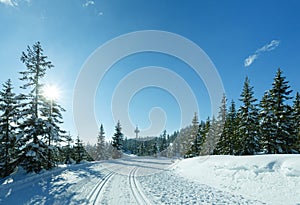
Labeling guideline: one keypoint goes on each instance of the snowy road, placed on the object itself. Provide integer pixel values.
(131, 180)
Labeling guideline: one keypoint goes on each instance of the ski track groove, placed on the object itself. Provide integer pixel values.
(136, 191)
(94, 196)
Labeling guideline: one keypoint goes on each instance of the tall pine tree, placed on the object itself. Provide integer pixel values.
(117, 140)
(100, 147)
(282, 114)
(34, 149)
(267, 129)
(222, 136)
(51, 112)
(194, 137)
(248, 141)
(211, 137)
(79, 151)
(227, 142)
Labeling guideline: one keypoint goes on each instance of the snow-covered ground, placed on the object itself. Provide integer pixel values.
(272, 179)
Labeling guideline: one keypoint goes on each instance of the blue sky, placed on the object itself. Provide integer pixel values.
(228, 32)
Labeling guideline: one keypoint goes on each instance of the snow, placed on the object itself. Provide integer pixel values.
(264, 179)
(273, 179)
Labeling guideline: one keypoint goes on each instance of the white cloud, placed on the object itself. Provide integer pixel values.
(248, 61)
(9, 2)
(88, 3)
(271, 46)
(268, 47)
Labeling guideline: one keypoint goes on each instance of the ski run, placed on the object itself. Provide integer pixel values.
(267, 179)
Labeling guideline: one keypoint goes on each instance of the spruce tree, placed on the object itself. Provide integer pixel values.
(227, 142)
(267, 129)
(163, 141)
(100, 147)
(184, 140)
(201, 137)
(9, 120)
(221, 133)
(232, 125)
(118, 137)
(198, 135)
(195, 135)
(248, 122)
(282, 114)
(34, 149)
(204, 132)
(211, 137)
(67, 151)
(79, 151)
(222, 113)
(51, 112)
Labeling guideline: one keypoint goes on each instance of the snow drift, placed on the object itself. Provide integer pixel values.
(273, 179)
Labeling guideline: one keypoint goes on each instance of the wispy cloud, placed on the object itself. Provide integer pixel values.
(88, 3)
(9, 2)
(248, 61)
(268, 47)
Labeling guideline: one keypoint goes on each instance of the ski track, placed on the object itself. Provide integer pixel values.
(136, 190)
(93, 198)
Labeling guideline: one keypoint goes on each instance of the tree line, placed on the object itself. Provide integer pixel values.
(270, 125)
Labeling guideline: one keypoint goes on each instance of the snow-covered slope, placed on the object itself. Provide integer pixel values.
(273, 179)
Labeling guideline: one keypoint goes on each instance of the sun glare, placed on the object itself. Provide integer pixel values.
(51, 92)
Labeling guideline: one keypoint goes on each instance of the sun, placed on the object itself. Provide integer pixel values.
(51, 92)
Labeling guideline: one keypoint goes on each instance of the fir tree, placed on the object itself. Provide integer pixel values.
(9, 120)
(267, 125)
(232, 125)
(282, 114)
(221, 133)
(195, 137)
(51, 112)
(227, 142)
(211, 137)
(79, 151)
(222, 113)
(118, 137)
(100, 148)
(68, 151)
(34, 149)
(248, 124)
(163, 141)
(201, 136)
(184, 140)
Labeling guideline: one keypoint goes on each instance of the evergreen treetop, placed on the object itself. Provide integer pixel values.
(118, 137)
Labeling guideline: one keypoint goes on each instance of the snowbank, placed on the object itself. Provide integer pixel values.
(274, 179)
